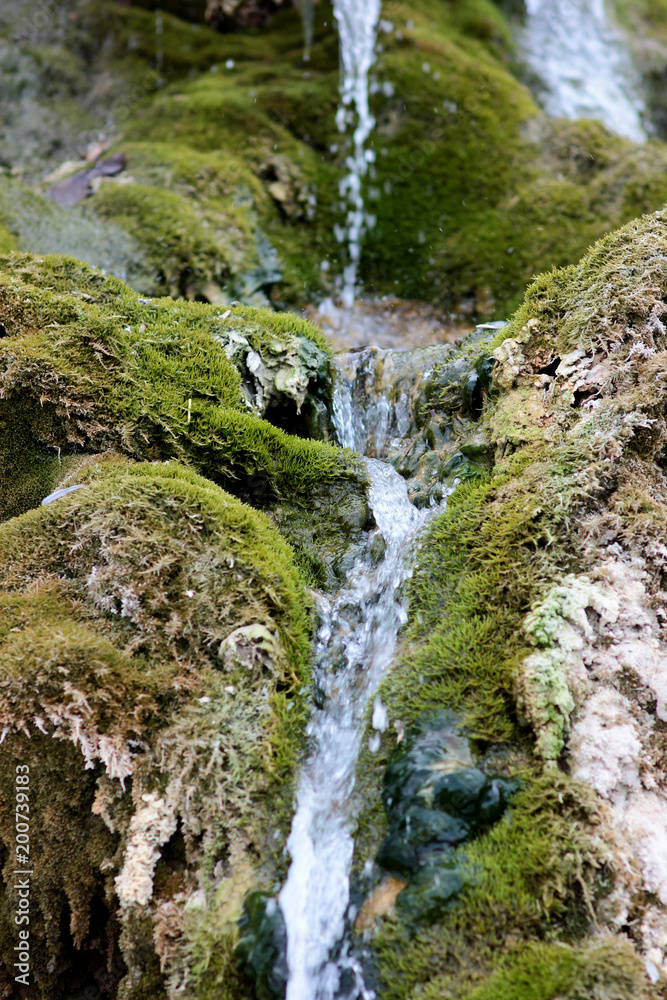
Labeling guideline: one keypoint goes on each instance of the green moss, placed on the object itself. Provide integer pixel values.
(36, 224)
(576, 421)
(117, 606)
(468, 200)
(463, 643)
(236, 167)
(7, 240)
(157, 500)
(187, 250)
(88, 366)
(607, 968)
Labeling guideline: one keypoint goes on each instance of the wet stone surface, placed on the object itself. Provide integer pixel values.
(436, 800)
(262, 945)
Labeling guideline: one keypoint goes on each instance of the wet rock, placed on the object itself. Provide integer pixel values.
(435, 800)
(409, 464)
(279, 371)
(433, 891)
(381, 391)
(418, 828)
(377, 545)
(460, 385)
(262, 946)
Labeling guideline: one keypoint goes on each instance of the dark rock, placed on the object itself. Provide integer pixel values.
(110, 166)
(416, 830)
(74, 189)
(436, 800)
(262, 946)
(433, 891)
(408, 465)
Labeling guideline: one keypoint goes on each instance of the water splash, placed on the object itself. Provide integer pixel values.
(357, 26)
(364, 418)
(584, 64)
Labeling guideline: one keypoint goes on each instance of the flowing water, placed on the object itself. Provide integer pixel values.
(584, 64)
(357, 26)
(354, 648)
(372, 422)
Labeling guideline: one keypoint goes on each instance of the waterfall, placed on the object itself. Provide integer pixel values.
(584, 64)
(357, 24)
(306, 9)
(354, 648)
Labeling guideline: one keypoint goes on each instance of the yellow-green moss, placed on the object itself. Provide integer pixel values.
(7, 240)
(238, 166)
(187, 249)
(467, 200)
(577, 424)
(116, 602)
(608, 968)
(87, 366)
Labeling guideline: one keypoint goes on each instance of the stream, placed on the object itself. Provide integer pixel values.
(354, 649)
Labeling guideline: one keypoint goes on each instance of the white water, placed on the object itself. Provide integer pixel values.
(374, 423)
(584, 64)
(354, 648)
(357, 25)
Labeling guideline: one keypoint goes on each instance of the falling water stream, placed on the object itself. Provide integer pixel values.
(354, 648)
(357, 25)
(584, 64)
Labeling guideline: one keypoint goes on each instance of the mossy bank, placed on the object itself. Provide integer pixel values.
(537, 616)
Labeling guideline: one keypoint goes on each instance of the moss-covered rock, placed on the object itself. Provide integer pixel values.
(154, 639)
(87, 366)
(536, 610)
(234, 157)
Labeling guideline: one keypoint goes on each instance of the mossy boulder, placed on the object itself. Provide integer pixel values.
(156, 630)
(535, 612)
(88, 366)
(154, 640)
